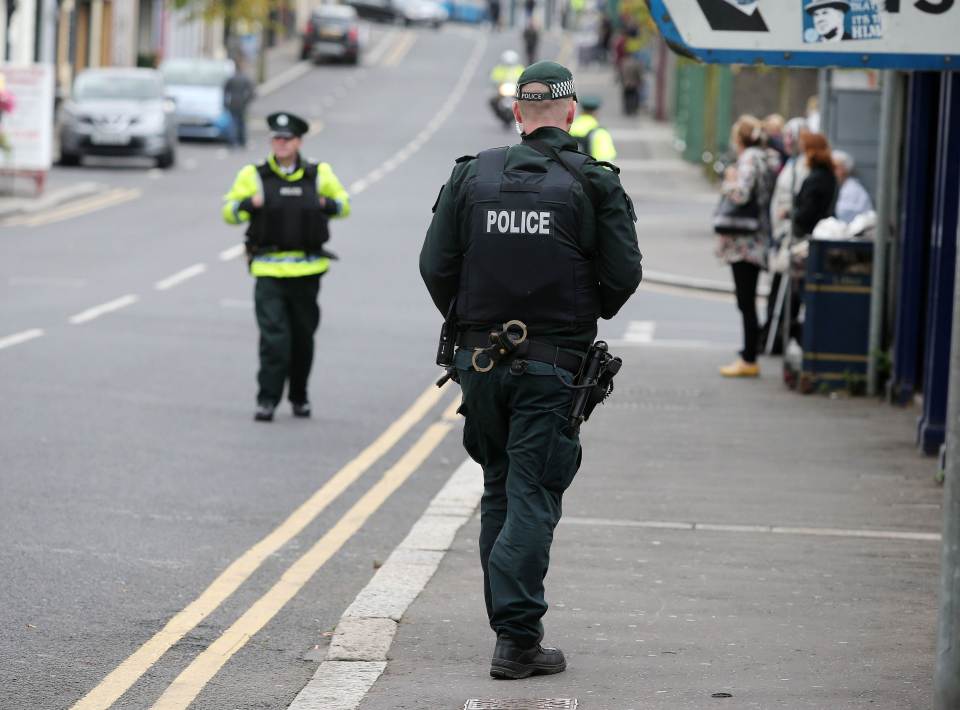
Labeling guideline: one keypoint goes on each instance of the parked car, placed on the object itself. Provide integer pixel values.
(118, 112)
(422, 12)
(409, 12)
(333, 32)
(196, 86)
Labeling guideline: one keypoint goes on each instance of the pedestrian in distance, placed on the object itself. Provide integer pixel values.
(789, 180)
(537, 240)
(531, 40)
(593, 139)
(287, 202)
(631, 82)
(743, 229)
(773, 126)
(493, 11)
(238, 93)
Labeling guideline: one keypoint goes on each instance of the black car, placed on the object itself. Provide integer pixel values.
(333, 32)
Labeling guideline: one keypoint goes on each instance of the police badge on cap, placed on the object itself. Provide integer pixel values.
(284, 124)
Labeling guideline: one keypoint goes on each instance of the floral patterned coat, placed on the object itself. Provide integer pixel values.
(756, 169)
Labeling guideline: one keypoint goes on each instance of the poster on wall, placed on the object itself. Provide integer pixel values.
(27, 128)
(875, 34)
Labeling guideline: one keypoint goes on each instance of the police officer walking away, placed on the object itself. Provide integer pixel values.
(287, 201)
(594, 139)
(543, 236)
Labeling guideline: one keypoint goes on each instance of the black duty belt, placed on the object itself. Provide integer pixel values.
(526, 350)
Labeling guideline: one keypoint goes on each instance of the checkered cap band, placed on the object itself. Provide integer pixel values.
(563, 89)
(560, 90)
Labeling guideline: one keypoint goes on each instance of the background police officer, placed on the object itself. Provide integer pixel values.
(594, 139)
(517, 235)
(287, 201)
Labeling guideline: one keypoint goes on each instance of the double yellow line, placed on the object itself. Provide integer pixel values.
(191, 681)
(400, 49)
(77, 208)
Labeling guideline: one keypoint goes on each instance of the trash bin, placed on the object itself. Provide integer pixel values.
(837, 315)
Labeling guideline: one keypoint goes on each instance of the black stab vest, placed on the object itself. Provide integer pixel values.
(522, 258)
(291, 218)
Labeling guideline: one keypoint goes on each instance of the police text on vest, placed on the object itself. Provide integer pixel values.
(518, 222)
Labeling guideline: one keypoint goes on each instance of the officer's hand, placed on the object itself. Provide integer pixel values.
(257, 200)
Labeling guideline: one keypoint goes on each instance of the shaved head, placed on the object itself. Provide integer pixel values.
(537, 114)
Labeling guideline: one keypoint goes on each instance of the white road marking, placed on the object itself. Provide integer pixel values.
(97, 311)
(283, 78)
(22, 337)
(761, 529)
(232, 252)
(358, 650)
(180, 277)
(640, 331)
(424, 135)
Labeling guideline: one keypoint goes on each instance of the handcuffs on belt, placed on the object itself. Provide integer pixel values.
(503, 344)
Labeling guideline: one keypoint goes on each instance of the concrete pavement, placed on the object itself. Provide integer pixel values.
(721, 537)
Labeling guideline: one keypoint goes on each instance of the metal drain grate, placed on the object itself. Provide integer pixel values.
(521, 704)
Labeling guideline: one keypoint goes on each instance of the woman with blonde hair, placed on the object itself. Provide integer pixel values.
(743, 225)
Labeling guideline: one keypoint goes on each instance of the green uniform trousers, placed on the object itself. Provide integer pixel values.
(516, 429)
(288, 315)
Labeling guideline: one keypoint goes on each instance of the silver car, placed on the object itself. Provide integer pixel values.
(118, 111)
(196, 85)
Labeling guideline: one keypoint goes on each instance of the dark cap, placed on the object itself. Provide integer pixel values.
(591, 103)
(284, 123)
(554, 75)
(812, 5)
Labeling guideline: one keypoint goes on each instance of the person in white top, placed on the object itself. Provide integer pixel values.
(852, 198)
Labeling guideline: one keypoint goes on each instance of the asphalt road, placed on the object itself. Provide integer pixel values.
(132, 473)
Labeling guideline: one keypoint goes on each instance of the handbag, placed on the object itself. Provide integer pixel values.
(737, 220)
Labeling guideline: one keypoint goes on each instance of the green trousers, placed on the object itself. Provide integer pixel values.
(515, 429)
(288, 315)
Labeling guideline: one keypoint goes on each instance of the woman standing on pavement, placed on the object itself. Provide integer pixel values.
(813, 203)
(819, 189)
(746, 192)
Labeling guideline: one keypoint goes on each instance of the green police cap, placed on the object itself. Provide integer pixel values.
(591, 103)
(554, 75)
(286, 124)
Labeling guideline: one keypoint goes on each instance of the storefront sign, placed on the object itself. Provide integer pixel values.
(28, 128)
(876, 34)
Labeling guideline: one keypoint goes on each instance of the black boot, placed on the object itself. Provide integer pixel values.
(264, 412)
(511, 662)
(301, 409)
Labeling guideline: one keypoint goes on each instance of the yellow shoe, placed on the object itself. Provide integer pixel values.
(739, 368)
